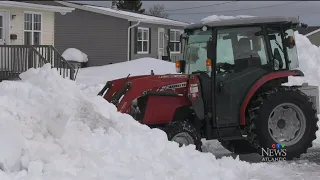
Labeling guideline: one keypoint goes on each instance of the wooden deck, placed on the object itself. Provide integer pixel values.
(15, 59)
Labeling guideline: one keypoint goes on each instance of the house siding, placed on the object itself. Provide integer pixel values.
(154, 42)
(315, 38)
(17, 26)
(103, 38)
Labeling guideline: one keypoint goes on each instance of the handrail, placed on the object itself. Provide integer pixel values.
(35, 51)
(62, 58)
(22, 57)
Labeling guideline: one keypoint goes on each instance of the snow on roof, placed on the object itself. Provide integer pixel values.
(312, 32)
(222, 17)
(141, 17)
(215, 21)
(32, 6)
(130, 16)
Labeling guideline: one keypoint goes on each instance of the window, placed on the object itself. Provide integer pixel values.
(277, 48)
(32, 28)
(196, 51)
(143, 40)
(240, 48)
(292, 51)
(224, 49)
(175, 41)
(1, 28)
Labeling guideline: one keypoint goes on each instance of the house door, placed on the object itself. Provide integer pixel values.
(160, 42)
(2, 28)
(2, 42)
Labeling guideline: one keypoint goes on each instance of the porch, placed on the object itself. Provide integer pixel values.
(15, 59)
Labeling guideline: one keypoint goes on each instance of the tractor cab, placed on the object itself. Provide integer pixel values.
(230, 56)
(233, 46)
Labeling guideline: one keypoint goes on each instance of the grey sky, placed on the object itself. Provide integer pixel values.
(308, 12)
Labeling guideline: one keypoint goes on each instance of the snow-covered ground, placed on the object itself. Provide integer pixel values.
(56, 129)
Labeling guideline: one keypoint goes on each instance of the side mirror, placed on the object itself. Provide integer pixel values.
(210, 49)
(181, 66)
(290, 42)
(303, 25)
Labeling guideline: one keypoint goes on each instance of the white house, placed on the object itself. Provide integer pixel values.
(24, 23)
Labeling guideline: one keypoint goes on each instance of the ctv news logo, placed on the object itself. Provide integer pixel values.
(277, 152)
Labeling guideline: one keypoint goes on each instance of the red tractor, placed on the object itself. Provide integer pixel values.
(228, 87)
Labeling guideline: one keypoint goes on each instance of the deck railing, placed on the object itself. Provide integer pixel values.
(15, 59)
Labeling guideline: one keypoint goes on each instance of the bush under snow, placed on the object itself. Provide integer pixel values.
(73, 54)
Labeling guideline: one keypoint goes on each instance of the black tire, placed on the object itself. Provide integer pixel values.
(262, 106)
(240, 146)
(177, 127)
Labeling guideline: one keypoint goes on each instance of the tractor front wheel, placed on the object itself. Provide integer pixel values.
(183, 133)
(282, 116)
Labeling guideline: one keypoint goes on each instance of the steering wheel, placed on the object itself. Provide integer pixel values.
(224, 66)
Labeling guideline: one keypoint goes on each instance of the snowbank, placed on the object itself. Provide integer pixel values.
(143, 66)
(222, 17)
(73, 54)
(50, 130)
(309, 61)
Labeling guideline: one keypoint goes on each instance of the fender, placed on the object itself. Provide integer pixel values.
(264, 79)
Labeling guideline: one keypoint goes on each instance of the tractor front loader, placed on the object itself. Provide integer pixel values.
(228, 87)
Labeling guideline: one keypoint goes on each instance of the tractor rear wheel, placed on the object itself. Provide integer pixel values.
(184, 133)
(241, 146)
(283, 116)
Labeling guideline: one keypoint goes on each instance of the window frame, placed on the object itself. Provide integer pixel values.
(285, 53)
(176, 41)
(266, 42)
(143, 40)
(32, 25)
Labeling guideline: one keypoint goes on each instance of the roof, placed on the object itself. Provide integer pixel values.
(242, 21)
(39, 7)
(130, 16)
(310, 30)
(313, 32)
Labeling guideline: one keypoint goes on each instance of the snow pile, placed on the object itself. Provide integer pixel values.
(142, 66)
(73, 54)
(50, 130)
(222, 17)
(309, 62)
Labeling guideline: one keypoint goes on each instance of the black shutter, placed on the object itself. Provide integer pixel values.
(149, 40)
(168, 37)
(135, 39)
(168, 44)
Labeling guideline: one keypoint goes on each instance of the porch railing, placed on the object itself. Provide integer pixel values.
(15, 59)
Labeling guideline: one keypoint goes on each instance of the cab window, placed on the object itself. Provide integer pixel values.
(241, 48)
